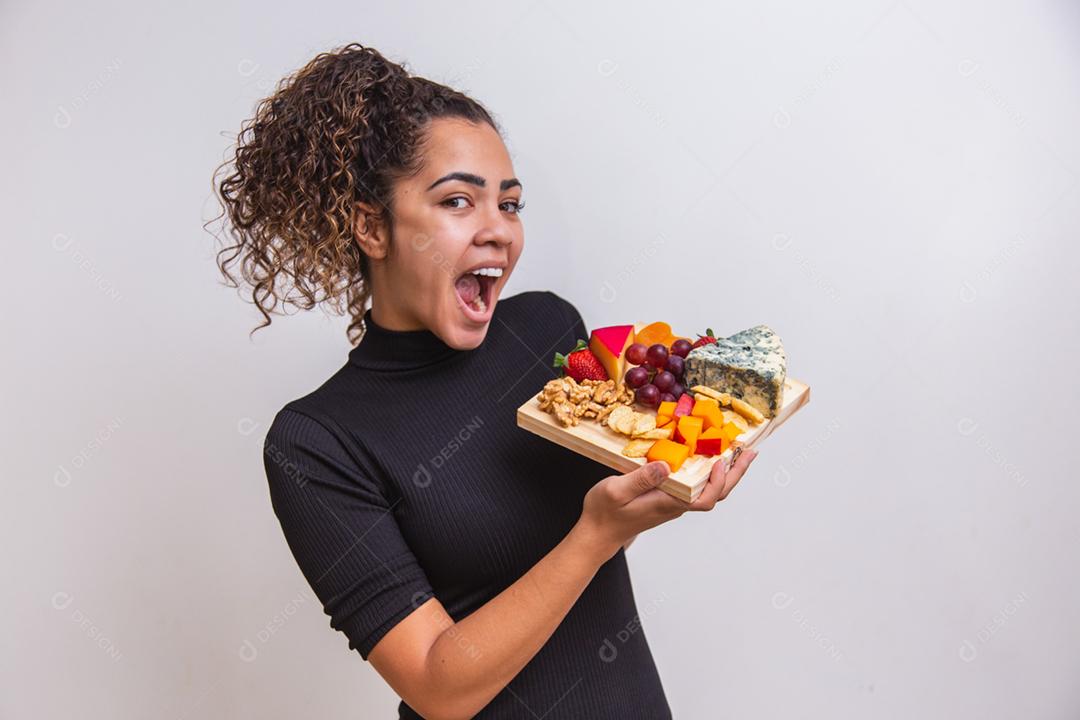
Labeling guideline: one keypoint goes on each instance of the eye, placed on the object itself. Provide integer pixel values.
(515, 206)
(447, 202)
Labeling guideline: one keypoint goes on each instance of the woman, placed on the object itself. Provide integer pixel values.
(480, 569)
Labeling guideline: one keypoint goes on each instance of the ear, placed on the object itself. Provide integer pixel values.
(370, 231)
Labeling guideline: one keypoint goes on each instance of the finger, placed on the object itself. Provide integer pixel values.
(659, 503)
(735, 474)
(714, 486)
(637, 482)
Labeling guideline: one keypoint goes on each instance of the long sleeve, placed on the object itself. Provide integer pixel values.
(341, 530)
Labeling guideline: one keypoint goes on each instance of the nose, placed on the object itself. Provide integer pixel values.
(497, 228)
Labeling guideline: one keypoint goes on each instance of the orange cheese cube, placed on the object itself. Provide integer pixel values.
(673, 453)
(702, 406)
(730, 431)
(688, 430)
(666, 408)
(714, 418)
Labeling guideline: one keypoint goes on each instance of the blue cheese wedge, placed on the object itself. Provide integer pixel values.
(750, 365)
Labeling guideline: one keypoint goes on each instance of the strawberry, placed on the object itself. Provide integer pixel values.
(707, 339)
(580, 363)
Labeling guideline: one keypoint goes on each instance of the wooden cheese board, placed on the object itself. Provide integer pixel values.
(602, 444)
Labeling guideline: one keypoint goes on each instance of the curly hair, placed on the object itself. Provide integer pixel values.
(341, 130)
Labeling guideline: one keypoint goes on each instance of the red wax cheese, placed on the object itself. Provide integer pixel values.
(712, 442)
(684, 405)
(608, 345)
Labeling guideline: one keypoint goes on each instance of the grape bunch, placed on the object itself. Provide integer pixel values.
(658, 373)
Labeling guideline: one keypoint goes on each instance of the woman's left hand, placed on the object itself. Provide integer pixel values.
(722, 480)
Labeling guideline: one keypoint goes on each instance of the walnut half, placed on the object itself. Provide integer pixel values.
(569, 401)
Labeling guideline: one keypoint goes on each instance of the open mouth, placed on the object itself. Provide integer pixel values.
(474, 290)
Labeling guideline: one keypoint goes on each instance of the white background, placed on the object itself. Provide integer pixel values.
(893, 186)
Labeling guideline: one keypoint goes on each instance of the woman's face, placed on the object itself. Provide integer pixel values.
(457, 236)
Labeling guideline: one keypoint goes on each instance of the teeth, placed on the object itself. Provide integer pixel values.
(490, 272)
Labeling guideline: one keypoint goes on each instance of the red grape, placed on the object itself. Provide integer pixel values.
(681, 347)
(636, 377)
(635, 354)
(648, 395)
(663, 381)
(677, 389)
(656, 356)
(667, 397)
(676, 365)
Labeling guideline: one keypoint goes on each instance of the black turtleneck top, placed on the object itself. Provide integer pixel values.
(405, 475)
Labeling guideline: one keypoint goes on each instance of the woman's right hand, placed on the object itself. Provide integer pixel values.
(620, 506)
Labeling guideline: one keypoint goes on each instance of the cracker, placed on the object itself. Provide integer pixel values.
(643, 423)
(747, 410)
(721, 397)
(616, 416)
(637, 448)
(738, 420)
(657, 434)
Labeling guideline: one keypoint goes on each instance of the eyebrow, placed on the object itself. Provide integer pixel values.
(475, 180)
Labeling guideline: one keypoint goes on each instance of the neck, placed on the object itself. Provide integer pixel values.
(383, 348)
(390, 317)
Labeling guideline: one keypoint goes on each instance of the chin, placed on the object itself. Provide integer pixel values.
(466, 339)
